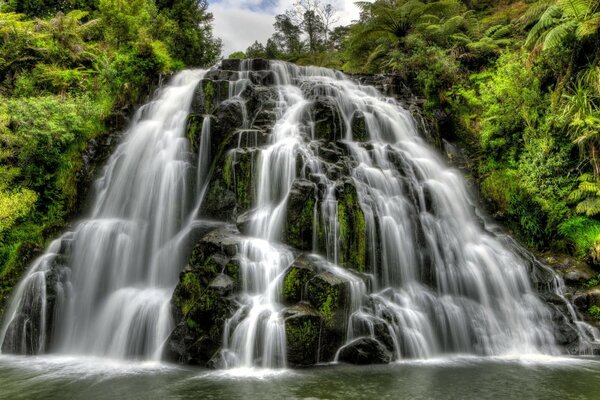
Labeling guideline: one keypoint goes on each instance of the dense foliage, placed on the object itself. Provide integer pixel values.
(66, 68)
(520, 81)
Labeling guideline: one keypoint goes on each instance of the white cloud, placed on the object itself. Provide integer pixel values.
(240, 22)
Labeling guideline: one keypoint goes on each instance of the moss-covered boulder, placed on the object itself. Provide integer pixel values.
(204, 298)
(303, 330)
(300, 215)
(208, 95)
(295, 279)
(328, 123)
(329, 294)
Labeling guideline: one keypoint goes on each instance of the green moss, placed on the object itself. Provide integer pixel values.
(327, 299)
(193, 130)
(299, 226)
(208, 91)
(305, 332)
(594, 312)
(228, 169)
(353, 230)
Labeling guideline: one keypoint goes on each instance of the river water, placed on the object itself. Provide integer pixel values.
(536, 377)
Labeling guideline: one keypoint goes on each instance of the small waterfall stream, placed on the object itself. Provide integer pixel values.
(434, 277)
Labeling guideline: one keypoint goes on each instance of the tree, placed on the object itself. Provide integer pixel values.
(190, 37)
(256, 50)
(314, 29)
(287, 34)
(315, 19)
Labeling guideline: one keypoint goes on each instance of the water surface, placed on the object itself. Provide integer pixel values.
(457, 378)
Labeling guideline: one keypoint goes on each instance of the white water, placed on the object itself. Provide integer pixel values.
(120, 266)
(440, 283)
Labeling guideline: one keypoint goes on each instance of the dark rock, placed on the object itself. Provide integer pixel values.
(328, 293)
(222, 284)
(298, 229)
(581, 301)
(353, 228)
(328, 123)
(359, 127)
(576, 277)
(593, 298)
(303, 328)
(231, 64)
(202, 300)
(364, 351)
(296, 277)
(208, 95)
(263, 78)
(258, 64)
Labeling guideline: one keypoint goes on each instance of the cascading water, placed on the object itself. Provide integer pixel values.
(433, 279)
(112, 278)
(441, 283)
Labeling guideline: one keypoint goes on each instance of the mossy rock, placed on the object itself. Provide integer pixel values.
(303, 330)
(295, 279)
(300, 214)
(238, 173)
(205, 297)
(193, 130)
(353, 228)
(201, 313)
(328, 124)
(208, 94)
(328, 293)
(359, 127)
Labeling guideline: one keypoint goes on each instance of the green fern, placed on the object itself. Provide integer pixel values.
(587, 196)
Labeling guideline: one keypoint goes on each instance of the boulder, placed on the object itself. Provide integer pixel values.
(296, 277)
(328, 293)
(359, 127)
(298, 228)
(303, 329)
(576, 277)
(204, 298)
(364, 351)
(328, 124)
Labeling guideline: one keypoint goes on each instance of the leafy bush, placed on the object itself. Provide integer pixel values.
(583, 232)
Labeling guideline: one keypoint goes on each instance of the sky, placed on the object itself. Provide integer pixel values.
(240, 22)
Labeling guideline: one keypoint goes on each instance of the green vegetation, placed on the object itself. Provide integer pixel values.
(595, 312)
(66, 69)
(519, 79)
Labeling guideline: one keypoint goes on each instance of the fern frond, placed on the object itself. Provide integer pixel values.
(589, 206)
(557, 35)
(588, 27)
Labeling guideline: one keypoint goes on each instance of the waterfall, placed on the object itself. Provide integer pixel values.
(441, 283)
(423, 270)
(110, 280)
